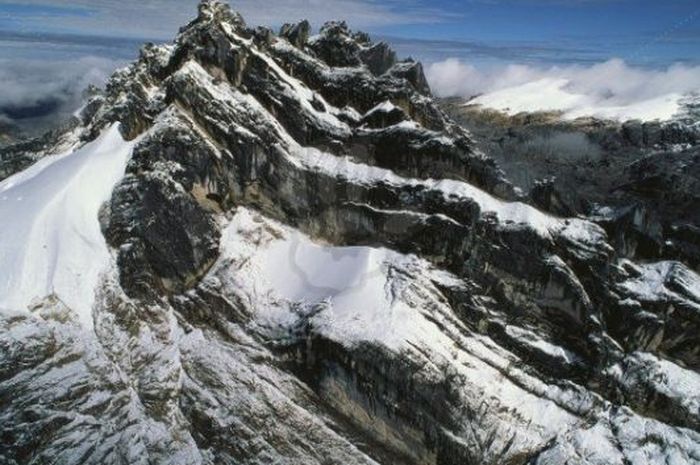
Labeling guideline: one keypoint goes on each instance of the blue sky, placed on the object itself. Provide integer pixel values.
(644, 32)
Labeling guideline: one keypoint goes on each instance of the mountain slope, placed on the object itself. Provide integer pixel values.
(640, 181)
(310, 263)
(54, 244)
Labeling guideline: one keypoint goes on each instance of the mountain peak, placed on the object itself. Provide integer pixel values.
(261, 248)
(317, 87)
(217, 11)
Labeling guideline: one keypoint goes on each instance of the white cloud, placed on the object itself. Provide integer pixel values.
(34, 89)
(611, 89)
(28, 82)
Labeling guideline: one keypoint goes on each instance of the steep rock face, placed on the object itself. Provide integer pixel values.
(313, 264)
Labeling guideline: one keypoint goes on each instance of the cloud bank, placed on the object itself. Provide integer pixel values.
(36, 93)
(611, 89)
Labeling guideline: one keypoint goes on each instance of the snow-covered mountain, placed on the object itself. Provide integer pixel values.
(612, 90)
(261, 248)
(552, 95)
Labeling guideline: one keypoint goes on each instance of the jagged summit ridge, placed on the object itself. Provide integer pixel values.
(333, 69)
(310, 263)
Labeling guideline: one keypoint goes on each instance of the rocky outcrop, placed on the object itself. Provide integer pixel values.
(9, 132)
(296, 34)
(379, 58)
(19, 155)
(314, 264)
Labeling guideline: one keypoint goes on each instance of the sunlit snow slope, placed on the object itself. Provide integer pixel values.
(50, 240)
(554, 94)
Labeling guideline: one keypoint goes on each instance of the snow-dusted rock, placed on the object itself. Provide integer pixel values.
(289, 279)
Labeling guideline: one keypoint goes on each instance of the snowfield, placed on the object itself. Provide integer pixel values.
(50, 240)
(346, 289)
(553, 94)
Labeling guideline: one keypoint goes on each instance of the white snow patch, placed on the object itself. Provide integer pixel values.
(677, 383)
(651, 282)
(243, 104)
(531, 339)
(551, 94)
(283, 265)
(50, 241)
(674, 381)
(384, 107)
(542, 95)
